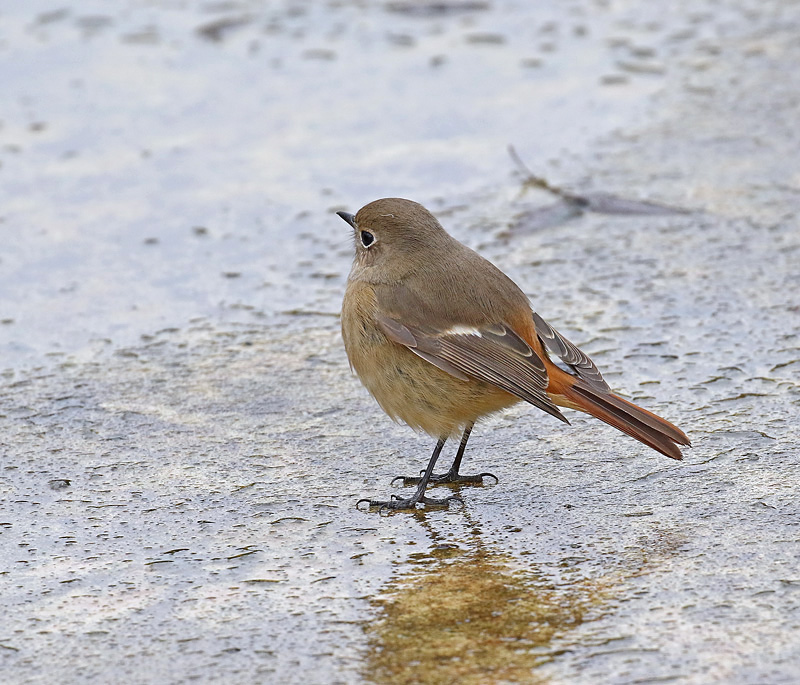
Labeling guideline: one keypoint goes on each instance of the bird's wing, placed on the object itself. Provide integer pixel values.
(574, 358)
(492, 353)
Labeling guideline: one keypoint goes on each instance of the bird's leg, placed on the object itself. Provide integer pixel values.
(419, 496)
(452, 476)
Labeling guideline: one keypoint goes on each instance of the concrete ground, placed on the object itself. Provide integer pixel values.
(182, 443)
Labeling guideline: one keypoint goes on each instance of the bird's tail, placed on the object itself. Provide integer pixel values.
(639, 423)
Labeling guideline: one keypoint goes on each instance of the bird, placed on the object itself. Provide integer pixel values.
(442, 338)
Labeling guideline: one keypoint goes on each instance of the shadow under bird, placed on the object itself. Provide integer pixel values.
(441, 338)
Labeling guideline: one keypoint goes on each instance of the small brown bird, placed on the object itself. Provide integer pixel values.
(441, 338)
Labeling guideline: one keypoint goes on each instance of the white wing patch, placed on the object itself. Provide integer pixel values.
(463, 330)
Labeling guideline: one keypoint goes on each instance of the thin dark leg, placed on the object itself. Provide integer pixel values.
(419, 495)
(452, 476)
(460, 454)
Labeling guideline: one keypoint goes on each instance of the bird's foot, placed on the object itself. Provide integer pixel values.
(408, 503)
(449, 478)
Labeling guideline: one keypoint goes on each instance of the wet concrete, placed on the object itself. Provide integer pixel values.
(183, 444)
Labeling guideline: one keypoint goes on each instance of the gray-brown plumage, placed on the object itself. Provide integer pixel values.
(441, 338)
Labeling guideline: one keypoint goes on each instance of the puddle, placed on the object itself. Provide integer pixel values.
(468, 614)
(472, 620)
(463, 611)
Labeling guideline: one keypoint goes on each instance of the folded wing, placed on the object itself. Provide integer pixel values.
(494, 354)
(574, 358)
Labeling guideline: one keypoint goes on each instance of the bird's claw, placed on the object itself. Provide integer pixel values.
(448, 479)
(396, 503)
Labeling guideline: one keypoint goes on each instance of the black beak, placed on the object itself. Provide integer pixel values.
(349, 218)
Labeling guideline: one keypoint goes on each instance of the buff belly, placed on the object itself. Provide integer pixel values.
(410, 389)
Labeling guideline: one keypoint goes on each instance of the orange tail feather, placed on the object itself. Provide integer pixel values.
(625, 416)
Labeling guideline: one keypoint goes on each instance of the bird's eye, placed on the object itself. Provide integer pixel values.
(367, 238)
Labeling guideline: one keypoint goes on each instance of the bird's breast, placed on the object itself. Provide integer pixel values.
(408, 388)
